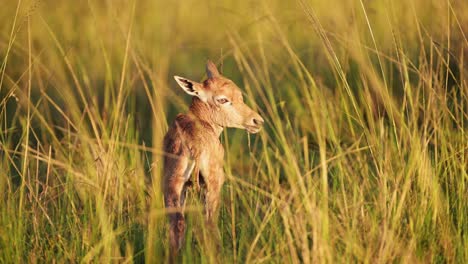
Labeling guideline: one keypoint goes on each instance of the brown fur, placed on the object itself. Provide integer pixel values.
(192, 144)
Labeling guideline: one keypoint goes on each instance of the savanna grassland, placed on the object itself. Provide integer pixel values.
(363, 157)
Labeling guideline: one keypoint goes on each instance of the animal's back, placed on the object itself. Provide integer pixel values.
(184, 143)
(175, 136)
(188, 134)
(177, 148)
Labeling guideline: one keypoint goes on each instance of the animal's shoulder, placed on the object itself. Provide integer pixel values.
(188, 131)
(193, 127)
(185, 122)
(183, 133)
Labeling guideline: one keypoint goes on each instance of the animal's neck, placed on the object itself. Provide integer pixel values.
(204, 113)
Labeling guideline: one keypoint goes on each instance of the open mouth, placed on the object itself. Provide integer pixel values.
(253, 129)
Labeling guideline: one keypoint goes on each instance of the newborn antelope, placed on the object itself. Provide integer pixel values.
(192, 145)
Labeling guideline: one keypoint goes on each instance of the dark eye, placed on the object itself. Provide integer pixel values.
(222, 100)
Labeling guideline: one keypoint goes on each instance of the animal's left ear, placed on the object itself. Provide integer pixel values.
(192, 88)
(211, 70)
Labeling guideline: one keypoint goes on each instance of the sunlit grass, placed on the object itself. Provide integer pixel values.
(363, 157)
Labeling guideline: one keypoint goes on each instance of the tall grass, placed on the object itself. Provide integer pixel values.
(363, 157)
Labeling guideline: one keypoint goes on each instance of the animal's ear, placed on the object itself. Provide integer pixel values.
(191, 87)
(211, 70)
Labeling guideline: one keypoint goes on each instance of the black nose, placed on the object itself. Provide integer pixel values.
(258, 122)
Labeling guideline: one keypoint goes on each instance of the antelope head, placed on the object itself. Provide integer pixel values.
(223, 104)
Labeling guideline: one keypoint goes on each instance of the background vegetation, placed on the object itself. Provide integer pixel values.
(363, 157)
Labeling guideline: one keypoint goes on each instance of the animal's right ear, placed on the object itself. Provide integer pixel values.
(191, 87)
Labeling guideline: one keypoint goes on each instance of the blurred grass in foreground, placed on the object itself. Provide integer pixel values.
(363, 158)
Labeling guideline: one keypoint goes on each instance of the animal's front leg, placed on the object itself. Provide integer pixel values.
(214, 181)
(211, 167)
(212, 203)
